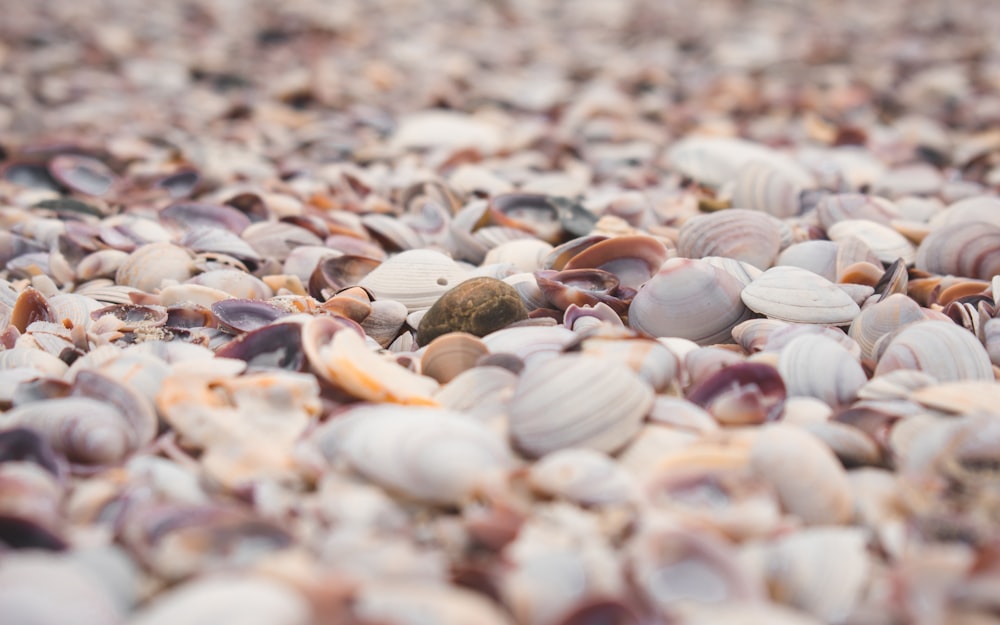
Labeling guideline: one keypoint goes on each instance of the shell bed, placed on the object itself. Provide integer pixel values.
(500, 312)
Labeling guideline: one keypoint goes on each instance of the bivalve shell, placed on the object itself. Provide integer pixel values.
(886, 243)
(799, 295)
(818, 366)
(738, 233)
(689, 299)
(151, 265)
(577, 401)
(762, 187)
(942, 349)
(970, 249)
(415, 278)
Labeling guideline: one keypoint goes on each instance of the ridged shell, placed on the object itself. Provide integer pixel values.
(799, 295)
(886, 243)
(762, 187)
(715, 161)
(819, 257)
(151, 265)
(428, 454)
(577, 401)
(942, 349)
(970, 249)
(450, 354)
(689, 299)
(584, 476)
(817, 366)
(883, 318)
(843, 206)
(736, 233)
(415, 278)
(981, 208)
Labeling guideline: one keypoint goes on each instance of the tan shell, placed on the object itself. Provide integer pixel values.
(737, 233)
(577, 401)
(799, 295)
(584, 476)
(817, 366)
(150, 266)
(883, 318)
(451, 354)
(760, 186)
(847, 206)
(688, 299)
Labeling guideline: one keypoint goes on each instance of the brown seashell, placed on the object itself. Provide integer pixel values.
(31, 306)
(478, 306)
(583, 287)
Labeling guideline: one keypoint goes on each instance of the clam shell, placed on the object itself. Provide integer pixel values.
(847, 206)
(449, 355)
(633, 259)
(941, 349)
(577, 401)
(431, 455)
(245, 598)
(761, 186)
(887, 244)
(737, 233)
(970, 249)
(526, 255)
(584, 476)
(651, 360)
(715, 161)
(981, 208)
(883, 318)
(688, 299)
(151, 266)
(415, 278)
(799, 295)
(819, 257)
(817, 366)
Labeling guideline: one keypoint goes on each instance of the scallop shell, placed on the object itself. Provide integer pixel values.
(415, 278)
(941, 349)
(798, 295)
(689, 299)
(431, 455)
(970, 249)
(577, 401)
(817, 366)
(737, 233)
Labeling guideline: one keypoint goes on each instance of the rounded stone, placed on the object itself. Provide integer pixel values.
(477, 306)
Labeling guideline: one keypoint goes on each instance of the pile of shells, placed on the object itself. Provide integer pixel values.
(650, 313)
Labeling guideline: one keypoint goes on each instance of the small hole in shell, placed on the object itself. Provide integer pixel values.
(442, 281)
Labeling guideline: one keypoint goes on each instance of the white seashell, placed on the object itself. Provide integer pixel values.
(415, 278)
(761, 186)
(530, 343)
(527, 287)
(688, 299)
(941, 349)
(652, 361)
(150, 266)
(422, 603)
(981, 208)
(715, 161)
(431, 455)
(584, 476)
(100, 264)
(577, 401)
(969, 249)
(676, 412)
(961, 397)
(737, 233)
(46, 589)
(898, 384)
(886, 243)
(799, 295)
(526, 255)
(882, 318)
(742, 271)
(234, 283)
(384, 321)
(819, 367)
(480, 392)
(31, 358)
(809, 480)
(277, 239)
(838, 207)
(252, 600)
(819, 257)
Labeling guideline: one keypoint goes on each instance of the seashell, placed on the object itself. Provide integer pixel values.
(819, 257)
(83, 174)
(674, 412)
(392, 232)
(430, 455)
(800, 296)
(31, 306)
(477, 306)
(633, 259)
(34, 359)
(216, 241)
(941, 349)
(415, 278)
(481, 392)
(449, 355)
(251, 599)
(836, 382)
(73, 308)
(233, 282)
(583, 287)
(651, 360)
(600, 405)
(149, 267)
(741, 394)
(243, 315)
(981, 208)
(676, 567)
(689, 299)
(737, 233)
(702, 363)
(400, 604)
(782, 336)
(278, 345)
(817, 491)
(753, 334)
(966, 249)
(898, 384)
(71, 594)
(838, 207)
(581, 318)
(192, 217)
(882, 318)
(349, 364)
(760, 186)
(886, 243)
(583, 476)
(744, 272)
(385, 321)
(277, 239)
(526, 255)
(960, 397)
(790, 569)
(852, 252)
(335, 273)
(714, 161)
